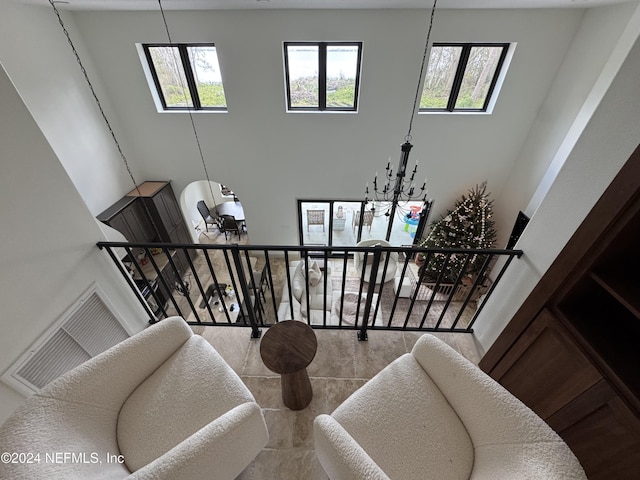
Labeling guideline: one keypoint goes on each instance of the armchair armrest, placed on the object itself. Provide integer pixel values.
(340, 455)
(222, 448)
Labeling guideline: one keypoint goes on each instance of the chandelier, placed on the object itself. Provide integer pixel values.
(395, 191)
(398, 189)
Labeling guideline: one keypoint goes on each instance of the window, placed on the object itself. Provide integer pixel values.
(186, 76)
(462, 76)
(322, 75)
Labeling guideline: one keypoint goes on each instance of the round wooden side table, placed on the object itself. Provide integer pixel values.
(287, 348)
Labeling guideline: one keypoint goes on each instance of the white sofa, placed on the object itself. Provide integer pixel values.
(433, 414)
(317, 294)
(162, 404)
(318, 309)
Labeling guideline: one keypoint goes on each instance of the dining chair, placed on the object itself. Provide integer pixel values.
(209, 216)
(229, 225)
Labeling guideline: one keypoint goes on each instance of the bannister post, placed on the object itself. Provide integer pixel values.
(362, 334)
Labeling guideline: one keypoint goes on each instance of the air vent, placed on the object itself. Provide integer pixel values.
(88, 328)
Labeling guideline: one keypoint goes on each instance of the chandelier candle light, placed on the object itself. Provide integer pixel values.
(402, 190)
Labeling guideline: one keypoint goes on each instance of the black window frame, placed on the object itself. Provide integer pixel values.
(188, 72)
(322, 77)
(462, 65)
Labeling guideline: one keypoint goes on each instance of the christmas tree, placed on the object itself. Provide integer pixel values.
(468, 225)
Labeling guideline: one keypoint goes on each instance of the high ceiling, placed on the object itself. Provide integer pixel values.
(316, 4)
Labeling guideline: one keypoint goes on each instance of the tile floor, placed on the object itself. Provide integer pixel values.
(341, 365)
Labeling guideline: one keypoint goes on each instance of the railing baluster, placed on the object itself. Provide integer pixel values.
(476, 285)
(198, 283)
(246, 297)
(452, 293)
(216, 285)
(180, 282)
(380, 297)
(495, 282)
(362, 334)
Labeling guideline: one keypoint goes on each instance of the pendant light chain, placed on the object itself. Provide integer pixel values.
(193, 125)
(95, 96)
(424, 62)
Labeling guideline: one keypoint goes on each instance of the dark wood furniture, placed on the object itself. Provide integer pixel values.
(163, 210)
(571, 352)
(151, 214)
(288, 348)
(127, 216)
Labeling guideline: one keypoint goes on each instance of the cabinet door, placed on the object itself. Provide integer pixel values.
(138, 223)
(167, 206)
(119, 223)
(602, 432)
(544, 368)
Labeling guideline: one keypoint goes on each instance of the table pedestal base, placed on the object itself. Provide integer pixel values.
(296, 389)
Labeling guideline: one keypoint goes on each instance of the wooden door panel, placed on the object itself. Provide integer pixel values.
(544, 368)
(603, 433)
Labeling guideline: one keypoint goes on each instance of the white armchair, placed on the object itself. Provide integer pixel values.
(359, 261)
(433, 414)
(162, 404)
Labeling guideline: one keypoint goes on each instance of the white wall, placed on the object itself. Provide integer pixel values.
(35, 53)
(191, 195)
(48, 256)
(271, 158)
(610, 136)
(555, 129)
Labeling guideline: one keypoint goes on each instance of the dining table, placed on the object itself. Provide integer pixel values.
(231, 208)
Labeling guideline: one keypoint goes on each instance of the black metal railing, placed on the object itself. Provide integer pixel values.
(358, 288)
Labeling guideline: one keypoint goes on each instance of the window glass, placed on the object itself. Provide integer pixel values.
(441, 72)
(185, 76)
(206, 74)
(303, 75)
(461, 76)
(171, 76)
(342, 70)
(477, 78)
(322, 75)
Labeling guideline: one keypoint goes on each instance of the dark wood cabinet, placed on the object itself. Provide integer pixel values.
(572, 351)
(159, 200)
(151, 214)
(128, 217)
(148, 214)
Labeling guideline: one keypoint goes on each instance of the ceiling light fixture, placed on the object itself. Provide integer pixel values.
(400, 190)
